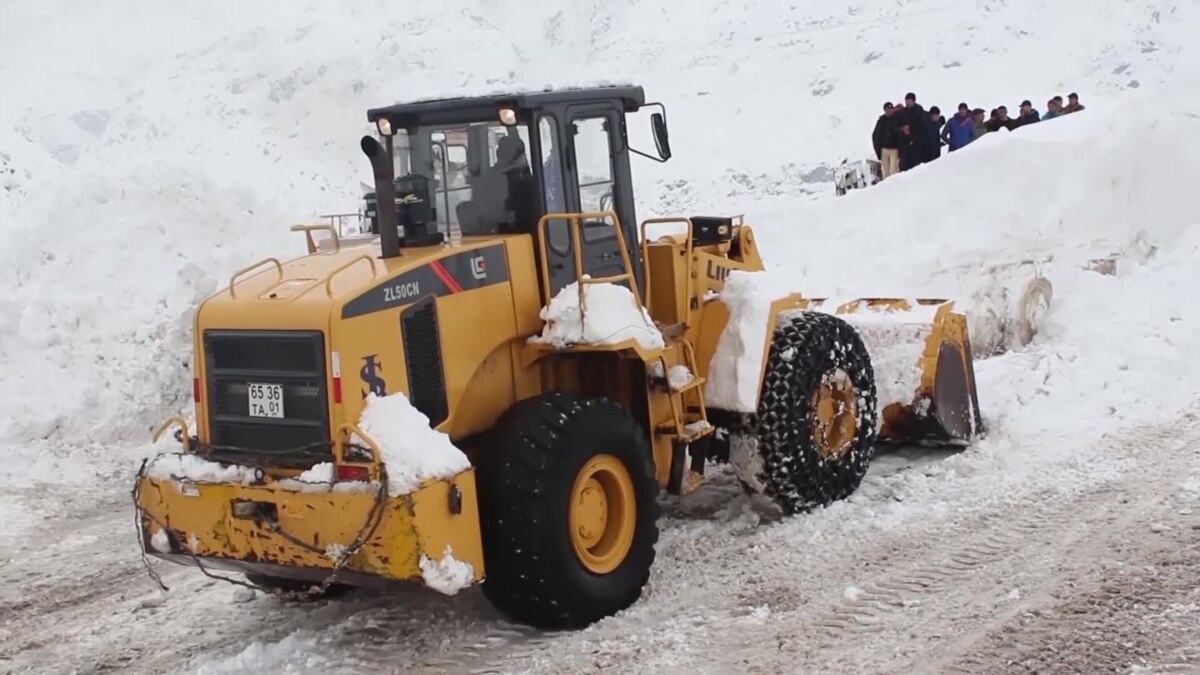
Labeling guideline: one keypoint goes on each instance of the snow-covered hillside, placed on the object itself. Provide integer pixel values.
(148, 158)
(148, 150)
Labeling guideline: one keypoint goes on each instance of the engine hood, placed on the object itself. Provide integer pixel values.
(351, 281)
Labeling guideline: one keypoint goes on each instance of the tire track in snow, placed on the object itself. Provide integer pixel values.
(867, 608)
(1076, 535)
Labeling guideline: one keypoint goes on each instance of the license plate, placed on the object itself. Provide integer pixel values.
(266, 400)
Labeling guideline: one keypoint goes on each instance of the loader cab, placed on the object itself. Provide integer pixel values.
(495, 165)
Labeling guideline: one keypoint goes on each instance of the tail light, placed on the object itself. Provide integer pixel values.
(350, 472)
(196, 389)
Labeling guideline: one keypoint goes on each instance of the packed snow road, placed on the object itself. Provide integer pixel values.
(1082, 571)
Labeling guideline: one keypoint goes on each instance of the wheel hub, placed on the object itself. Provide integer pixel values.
(593, 512)
(602, 514)
(835, 415)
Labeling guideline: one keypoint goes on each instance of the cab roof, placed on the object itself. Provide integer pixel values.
(474, 108)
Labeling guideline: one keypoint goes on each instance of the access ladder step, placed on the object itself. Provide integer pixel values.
(692, 431)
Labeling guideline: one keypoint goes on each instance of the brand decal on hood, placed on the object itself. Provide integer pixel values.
(456, 273)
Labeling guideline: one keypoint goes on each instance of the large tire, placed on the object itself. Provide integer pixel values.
(785, 451)
(537, 571)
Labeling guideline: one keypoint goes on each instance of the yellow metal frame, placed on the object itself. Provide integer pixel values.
(341, 440)
(346, 266)
(420, 523)
(312, 244)
(645, 246)
(233, 279)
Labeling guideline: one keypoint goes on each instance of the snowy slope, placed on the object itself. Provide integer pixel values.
(167, 158)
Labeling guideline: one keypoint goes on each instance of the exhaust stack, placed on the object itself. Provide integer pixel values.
(385, 195)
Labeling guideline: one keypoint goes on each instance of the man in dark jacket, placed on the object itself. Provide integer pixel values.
(1000, 120)
(959, 129)
(886, 142)
(933, 134)
(914, 124)
(1028, 115)
(1073, 104)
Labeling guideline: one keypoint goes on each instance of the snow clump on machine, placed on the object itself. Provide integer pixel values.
(411, 450)
(733, 374)
(196, 469)
(448, 575)
(611, 315)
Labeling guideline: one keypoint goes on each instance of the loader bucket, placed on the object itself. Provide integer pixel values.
(925, 375)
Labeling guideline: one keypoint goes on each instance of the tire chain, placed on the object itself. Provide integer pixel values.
(796, 479)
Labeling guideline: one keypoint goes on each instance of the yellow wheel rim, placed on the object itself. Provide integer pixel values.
(602, 514)
(835, 415)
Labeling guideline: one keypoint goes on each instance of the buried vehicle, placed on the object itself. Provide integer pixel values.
(495, 380)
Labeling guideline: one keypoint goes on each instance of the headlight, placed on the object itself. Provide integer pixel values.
(508, 117)
(384, 125)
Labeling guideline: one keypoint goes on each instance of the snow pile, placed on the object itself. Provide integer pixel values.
(412, 451)
(189, 467)
(612, 315)
(448, 575)
(737, 364)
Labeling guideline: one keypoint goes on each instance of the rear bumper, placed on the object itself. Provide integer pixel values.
(300, 535)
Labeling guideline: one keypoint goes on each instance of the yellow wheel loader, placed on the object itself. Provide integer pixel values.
(503, 296)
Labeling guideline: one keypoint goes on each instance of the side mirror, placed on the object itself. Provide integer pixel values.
(662, 141)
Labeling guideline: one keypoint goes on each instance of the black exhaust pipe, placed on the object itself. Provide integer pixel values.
(385, 195)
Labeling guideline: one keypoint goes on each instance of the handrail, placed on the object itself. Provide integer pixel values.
(339, 449)
(309, 229)
(178, 419)
(645, 245)
(232, 279)
(575, 223)
(329, 279)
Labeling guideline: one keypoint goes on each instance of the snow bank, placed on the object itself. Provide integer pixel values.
(447, 575)
(612, 315)
(411, 449)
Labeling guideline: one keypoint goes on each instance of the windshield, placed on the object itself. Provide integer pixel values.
(478, 174)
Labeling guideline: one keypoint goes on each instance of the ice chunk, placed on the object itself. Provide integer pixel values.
(612, 315)
(412, 451)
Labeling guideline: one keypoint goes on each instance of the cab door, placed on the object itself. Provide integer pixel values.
(593, 173)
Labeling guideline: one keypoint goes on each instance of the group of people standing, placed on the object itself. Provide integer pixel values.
(907, 135)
